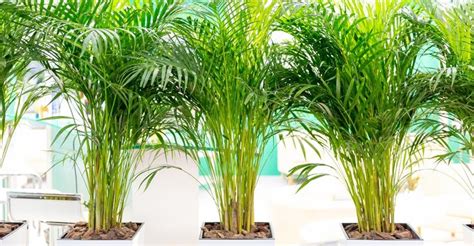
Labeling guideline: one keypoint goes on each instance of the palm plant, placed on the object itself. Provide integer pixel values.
(366, 93)
(453, 34)
(225, 49)
(95, 51)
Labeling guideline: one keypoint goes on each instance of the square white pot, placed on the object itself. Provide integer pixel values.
(349, 242)
(172, 221)
(18, 237)
(137, 239)
(232, 242)
(468, 235)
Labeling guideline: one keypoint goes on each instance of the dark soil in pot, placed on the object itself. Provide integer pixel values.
(216, 231)
(80, 231)
(7, 228)
(402, 232)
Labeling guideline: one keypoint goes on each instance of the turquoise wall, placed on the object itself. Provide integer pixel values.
(269, 161)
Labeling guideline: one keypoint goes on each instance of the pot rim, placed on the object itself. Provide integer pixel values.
(346, 236)
(201, 234)
(468, 227)
(22, 223)
(140, 226)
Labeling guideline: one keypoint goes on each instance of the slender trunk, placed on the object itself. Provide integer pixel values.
(234, 227)
(238, 218)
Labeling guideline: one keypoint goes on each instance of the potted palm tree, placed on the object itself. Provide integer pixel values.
(224, 48)
(95, 53)
(367, 94)
(17, 94)
(453, 33)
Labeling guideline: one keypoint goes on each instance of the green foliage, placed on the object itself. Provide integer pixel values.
(366, 92)
(209, 74)
(17, 49)
(225, 48)
(97, 53)
(453, 33)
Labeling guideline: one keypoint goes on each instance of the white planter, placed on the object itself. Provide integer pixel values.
(18, 237)
(244, 242)
(135, 241)
(348, 241)
(55, 207)
(468, 235)
(172, 220)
